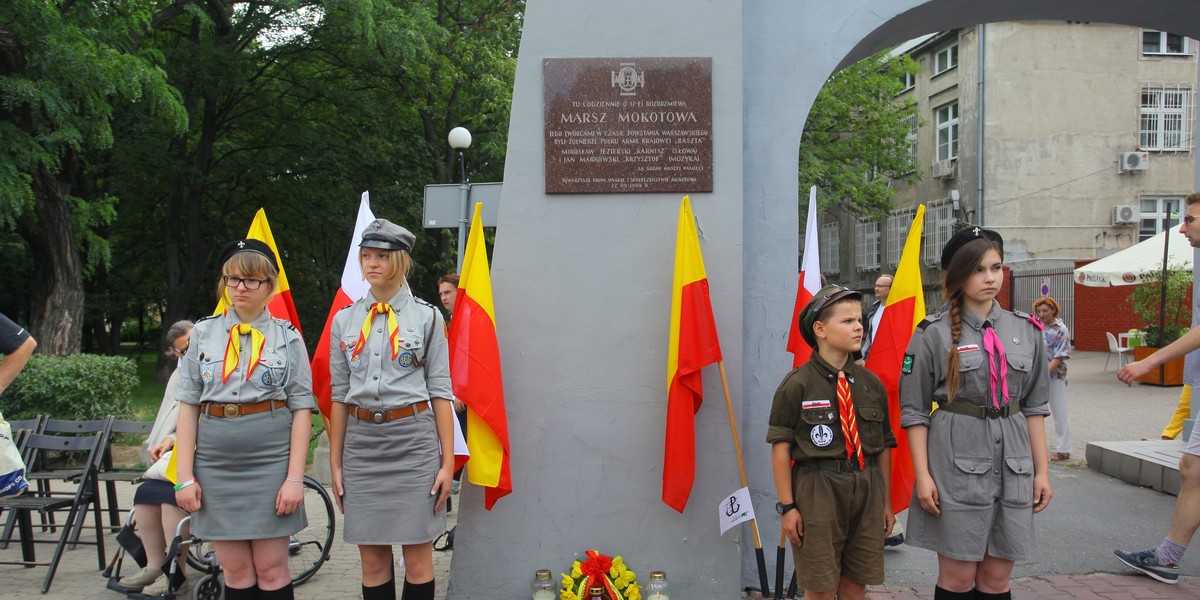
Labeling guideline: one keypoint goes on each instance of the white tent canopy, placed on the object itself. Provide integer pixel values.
(1137, 264)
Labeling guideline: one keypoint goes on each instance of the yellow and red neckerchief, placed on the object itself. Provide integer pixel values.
(393, 329)
(257, 341)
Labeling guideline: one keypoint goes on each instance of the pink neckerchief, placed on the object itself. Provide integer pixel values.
(999, 373)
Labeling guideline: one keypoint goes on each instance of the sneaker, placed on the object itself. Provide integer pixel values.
(158, 588)
(141, 579)
(1146, 562)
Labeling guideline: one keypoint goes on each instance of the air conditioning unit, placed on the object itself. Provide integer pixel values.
(1133, 161)
(943, 169)
(1124, 214)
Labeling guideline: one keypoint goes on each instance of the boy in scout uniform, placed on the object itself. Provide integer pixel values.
(830, 438)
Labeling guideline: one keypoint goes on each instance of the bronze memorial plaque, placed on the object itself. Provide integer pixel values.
(620, 125)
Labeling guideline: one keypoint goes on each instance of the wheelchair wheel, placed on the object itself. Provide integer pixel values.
(208, 588)
(309, 548)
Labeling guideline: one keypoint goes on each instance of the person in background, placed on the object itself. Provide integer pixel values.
(157, 514)
(17, 346)
(1162, 562)
(883, 286)
(448, 292)
(1058, 350)
(979, 460)
(1183, 411)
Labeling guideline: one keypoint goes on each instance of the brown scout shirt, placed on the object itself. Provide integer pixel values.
(805, 412)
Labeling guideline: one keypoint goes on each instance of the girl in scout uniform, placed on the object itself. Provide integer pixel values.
(392, 458)
(245, 416)
(980, 459)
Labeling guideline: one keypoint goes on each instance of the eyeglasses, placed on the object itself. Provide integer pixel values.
(232, 281)
(1188, 219)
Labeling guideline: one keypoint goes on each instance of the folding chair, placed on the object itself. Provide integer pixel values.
(77, 503)
(110, 475)
(39, 471)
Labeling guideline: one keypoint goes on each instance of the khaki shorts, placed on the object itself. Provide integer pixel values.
(843, 527)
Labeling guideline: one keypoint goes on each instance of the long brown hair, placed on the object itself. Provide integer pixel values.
(961, 266)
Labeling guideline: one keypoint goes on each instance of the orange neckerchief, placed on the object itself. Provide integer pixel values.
(257, 341)
(393, 329)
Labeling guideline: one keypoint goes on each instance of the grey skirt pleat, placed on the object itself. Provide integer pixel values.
(388, 471)
(241, 464)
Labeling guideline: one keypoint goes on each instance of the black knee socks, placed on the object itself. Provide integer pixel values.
(383, 591)
(417, 591)
(250, 593)
(283, 593)
(1001, 596)
(944, 594)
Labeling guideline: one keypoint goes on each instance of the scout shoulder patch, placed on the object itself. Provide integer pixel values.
(907, 365)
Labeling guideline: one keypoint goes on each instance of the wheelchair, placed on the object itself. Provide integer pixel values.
(308, 549)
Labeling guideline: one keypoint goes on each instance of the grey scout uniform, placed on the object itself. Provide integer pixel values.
(389, 468)
(983, 467)
(242, 462)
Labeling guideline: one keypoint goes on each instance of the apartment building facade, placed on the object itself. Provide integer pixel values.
(1073, 140)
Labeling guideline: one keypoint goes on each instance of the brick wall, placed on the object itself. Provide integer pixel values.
(1098, 310)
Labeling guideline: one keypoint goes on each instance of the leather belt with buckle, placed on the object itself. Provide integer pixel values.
(836, 465)
(233, 410)
(377, 416)
(979, 412)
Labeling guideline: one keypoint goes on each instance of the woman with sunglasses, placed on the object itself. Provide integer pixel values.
(245, 416)
(391, 456)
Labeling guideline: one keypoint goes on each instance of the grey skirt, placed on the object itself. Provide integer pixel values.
(241, 464)
(387, 472)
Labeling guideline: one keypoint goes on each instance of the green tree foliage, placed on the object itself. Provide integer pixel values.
(1146, 300)
(64, 68)
(855, 141)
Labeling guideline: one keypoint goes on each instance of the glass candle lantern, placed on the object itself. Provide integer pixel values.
(656, 588)
(543, 585)
(596, 592)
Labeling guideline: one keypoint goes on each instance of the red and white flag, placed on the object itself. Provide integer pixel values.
(810, 282)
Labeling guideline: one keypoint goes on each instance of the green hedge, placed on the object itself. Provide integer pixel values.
(79, 387)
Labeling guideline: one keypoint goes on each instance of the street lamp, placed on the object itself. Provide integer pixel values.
(460, 139)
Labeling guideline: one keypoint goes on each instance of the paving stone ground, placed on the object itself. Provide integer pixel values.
(1102, 409)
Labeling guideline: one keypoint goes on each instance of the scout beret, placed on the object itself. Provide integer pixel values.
(247, 246)
(382, 233)
(968, 235)
(828, 295)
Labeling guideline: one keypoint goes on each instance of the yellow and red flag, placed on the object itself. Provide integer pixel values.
(693, 345)
(353, 287)
(281, 304)
(903, 310)
(475, 370)
(810, 283)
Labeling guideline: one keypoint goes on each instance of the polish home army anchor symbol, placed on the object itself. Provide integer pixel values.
(734, 510)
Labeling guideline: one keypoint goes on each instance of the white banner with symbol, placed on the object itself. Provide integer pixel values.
(735, 508)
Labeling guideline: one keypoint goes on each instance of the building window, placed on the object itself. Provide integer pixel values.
(909, 81)
(1161, 42)
(831, 242)
(898, 224)
(936, 231)
(866, 244)
(1166, 115)
(945, 59)
(911, 122)
(947, 131)
(1158, 215)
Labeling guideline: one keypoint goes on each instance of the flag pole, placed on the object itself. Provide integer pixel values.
(737, 446)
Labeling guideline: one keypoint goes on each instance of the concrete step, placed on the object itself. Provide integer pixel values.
(1149, 463)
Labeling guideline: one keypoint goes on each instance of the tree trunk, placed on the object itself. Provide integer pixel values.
(57, 318)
